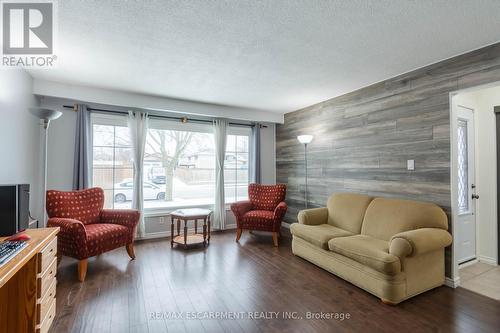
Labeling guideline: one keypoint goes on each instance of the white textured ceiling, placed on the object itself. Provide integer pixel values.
(276, 55)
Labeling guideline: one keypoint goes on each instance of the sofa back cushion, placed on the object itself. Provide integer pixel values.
(84, 206)
(346, 210)
(386, 217)
(266, 197)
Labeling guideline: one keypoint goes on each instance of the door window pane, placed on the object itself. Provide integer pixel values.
(463, 172)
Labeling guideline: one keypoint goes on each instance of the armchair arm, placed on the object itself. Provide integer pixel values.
(313, 216)
(280, 211)
(126, 217)
(240, 208)
(419, 241)
(72, 238)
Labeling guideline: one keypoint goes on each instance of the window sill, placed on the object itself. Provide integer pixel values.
(157, 212)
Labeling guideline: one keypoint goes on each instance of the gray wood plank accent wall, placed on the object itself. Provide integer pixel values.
(362, 140)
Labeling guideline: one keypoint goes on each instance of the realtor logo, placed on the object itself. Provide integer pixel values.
(28, 29)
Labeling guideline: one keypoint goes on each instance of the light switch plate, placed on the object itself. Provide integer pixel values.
(410, 164)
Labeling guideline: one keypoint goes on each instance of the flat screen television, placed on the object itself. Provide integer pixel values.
(14, 208)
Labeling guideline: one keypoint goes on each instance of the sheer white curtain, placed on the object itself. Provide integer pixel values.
(220, 136)
(138, 126)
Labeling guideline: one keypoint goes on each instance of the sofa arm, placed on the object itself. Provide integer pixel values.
(280, 211)
(126, 217)
(419, 241)
(240, 208)
(72, 238)
(313, 216)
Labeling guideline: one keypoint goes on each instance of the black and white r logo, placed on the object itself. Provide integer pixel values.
(27, 28)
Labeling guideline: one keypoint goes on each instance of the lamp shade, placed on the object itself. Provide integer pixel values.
(305, 139)
(45, 114)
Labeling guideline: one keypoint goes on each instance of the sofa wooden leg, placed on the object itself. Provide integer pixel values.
(238, 234)
(130, 250)
(387, 302)
(275, 239)
(82, 269)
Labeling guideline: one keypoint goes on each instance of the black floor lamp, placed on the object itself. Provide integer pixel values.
(305, 139)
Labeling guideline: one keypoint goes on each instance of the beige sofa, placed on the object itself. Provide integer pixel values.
(391, 248)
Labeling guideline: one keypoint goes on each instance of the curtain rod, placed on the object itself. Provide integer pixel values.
(182, 119)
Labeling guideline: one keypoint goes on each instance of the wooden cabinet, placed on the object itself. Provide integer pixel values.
(28, 285)
(46, 286)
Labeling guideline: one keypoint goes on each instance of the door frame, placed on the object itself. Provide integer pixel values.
(454, 186)
(496, 110)
(454, 280)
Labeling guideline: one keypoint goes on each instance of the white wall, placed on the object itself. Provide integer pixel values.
(268, 154)
(61, 146)
(486, 170)
(483, 102)
(134, 100)
(19, 133)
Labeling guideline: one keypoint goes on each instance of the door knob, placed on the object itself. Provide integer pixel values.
(475, 196)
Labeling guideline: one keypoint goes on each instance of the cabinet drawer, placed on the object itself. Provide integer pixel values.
(45, 280)
(44, 303)
(49, 318)
(46, 255)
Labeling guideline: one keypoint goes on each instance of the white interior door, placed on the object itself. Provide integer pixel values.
(466, 195)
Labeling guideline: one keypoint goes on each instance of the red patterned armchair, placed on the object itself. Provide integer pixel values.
(263, 212)
(86, 228)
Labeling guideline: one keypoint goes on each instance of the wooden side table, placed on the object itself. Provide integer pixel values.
(186, 215)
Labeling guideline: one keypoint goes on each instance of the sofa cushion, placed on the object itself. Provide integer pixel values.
(256, 215)
(346, 210)
(386, 217)
(318, 235)
(367, 250)
(103, 237)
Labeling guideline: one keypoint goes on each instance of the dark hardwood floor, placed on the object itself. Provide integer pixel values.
(120, 295)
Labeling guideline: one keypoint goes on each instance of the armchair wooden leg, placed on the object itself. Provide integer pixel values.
(130, 250)
(238, 234)
(275, 239)
(82, 269)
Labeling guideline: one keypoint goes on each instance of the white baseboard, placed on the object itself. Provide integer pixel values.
(452, 283)
(487, 260)
(285, 225)
(164, 234)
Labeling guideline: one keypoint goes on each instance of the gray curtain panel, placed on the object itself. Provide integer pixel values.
(81, 168)
(255, 167)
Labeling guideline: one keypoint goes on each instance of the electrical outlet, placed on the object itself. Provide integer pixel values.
(162, 220)
(410, 164)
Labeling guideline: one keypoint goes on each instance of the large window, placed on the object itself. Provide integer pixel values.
(179, 163)
(180, 158)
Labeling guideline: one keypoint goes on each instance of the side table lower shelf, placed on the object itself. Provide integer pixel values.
(191, 239)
